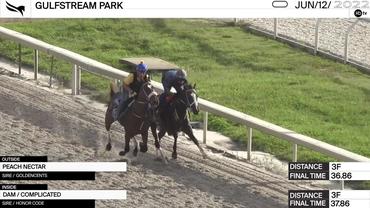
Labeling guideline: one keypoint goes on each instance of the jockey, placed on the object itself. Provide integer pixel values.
(131, 85)
(134, 81)
(175, 79)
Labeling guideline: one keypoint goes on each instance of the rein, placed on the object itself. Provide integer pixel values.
(147, 99)
(186, 105)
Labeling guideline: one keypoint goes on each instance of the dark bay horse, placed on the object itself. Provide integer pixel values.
(175, 119)
(136, 120)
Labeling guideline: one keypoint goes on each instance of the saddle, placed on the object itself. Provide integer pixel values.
(170, 98)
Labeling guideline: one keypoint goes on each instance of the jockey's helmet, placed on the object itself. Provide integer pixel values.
(142, 68)
(181, 74)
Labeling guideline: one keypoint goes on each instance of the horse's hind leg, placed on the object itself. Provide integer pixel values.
(108, 122)
(187, 130)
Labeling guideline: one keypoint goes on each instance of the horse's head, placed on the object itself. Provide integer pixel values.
(190, 98)
(149, 95)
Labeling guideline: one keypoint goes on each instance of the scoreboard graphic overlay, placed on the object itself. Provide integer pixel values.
(334, 171)
(19, 168)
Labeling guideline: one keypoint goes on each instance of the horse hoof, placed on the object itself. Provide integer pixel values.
(174, 156)
(135, 153)
(108, 147)
(143, 147)
(122, 153)
(143, 150)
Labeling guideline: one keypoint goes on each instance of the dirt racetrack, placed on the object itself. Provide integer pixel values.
(38, 121)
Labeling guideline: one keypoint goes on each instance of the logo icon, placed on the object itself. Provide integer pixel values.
(279, 4)
(358, 13)
(13, 8)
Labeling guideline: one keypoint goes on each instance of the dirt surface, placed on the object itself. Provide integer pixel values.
(38, 121)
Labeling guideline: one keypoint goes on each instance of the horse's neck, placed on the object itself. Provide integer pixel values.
(180, 108)
(139, 106)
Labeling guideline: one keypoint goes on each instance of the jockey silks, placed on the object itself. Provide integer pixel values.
(135, 85)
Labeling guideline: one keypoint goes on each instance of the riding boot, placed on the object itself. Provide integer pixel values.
(125, 107)
(115, 105)
(123, 110)
(118, 105)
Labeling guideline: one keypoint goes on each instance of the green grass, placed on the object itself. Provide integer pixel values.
(261, 77)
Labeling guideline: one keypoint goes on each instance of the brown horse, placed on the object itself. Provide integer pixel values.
(137, 119)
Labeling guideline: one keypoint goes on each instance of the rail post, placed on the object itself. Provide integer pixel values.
(295, 152)
(74, 79)
(249, 142)
(205, 127)
(36, 64)
(78, 80)
(19, 58)
(276, 28)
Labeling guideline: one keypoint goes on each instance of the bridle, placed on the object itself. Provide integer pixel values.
(187, 105)
(147, 99)
(147, 96)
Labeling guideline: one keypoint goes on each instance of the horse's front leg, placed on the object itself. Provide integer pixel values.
(153, 127)
(108, 147)
(174, 153)
(189, 131)
(161, 134)
(144, 143)
(136, 148)
(127, 145)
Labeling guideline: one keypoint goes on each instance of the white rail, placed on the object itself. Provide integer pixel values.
(81, 62)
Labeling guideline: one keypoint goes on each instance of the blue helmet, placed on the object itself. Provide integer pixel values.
(142, 68)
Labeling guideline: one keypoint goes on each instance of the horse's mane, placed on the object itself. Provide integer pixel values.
(148, 84)
(188, 86)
